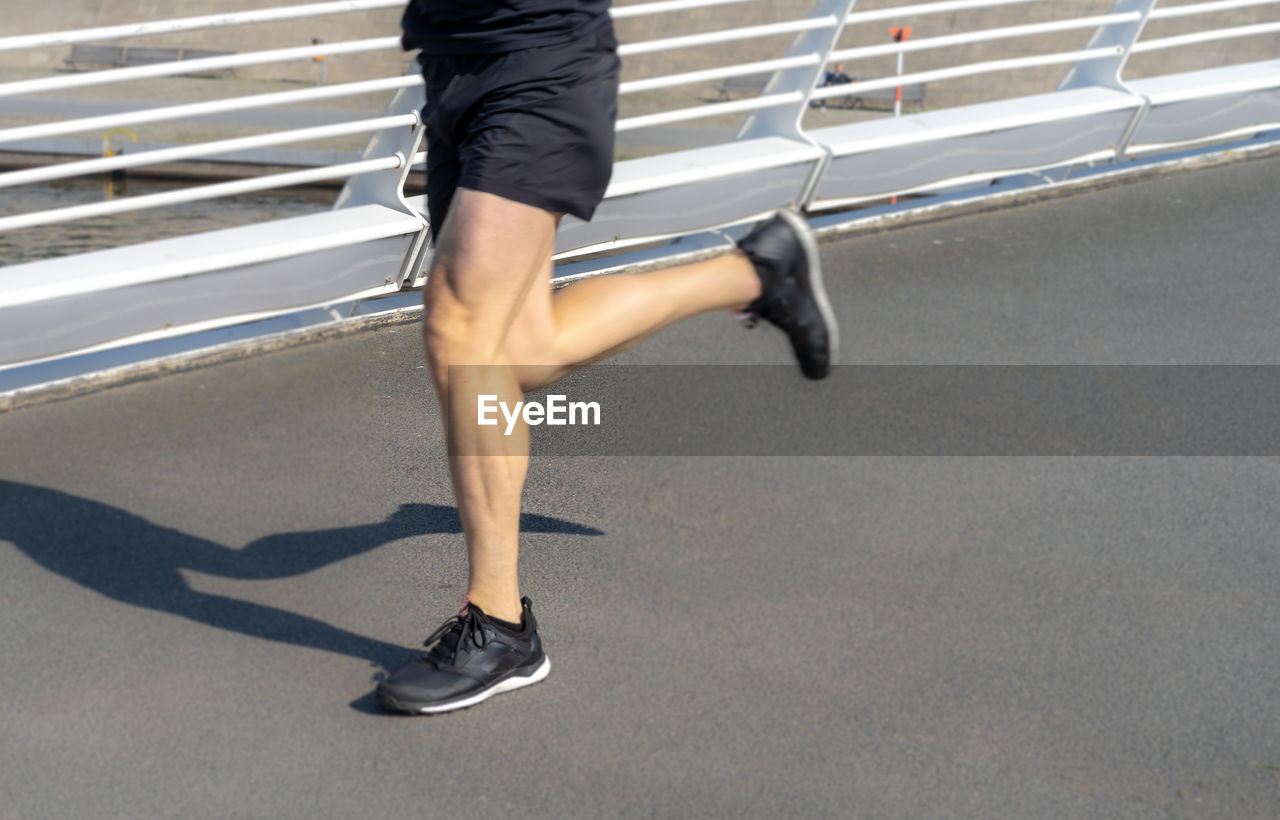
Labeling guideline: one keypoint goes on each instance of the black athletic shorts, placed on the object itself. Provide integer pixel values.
(534, 126)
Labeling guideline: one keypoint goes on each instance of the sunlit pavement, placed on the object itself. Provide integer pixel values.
(203, 575)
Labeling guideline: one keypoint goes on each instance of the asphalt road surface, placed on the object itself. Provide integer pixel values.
(203, 575)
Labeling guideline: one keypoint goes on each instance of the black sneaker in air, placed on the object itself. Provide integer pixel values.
(468, 660)
(792, 297)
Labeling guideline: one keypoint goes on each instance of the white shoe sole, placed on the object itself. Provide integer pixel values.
(810, 245)
(505, 685)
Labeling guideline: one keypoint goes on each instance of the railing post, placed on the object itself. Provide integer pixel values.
(387, 187)
(1106, 73)
(784, 120)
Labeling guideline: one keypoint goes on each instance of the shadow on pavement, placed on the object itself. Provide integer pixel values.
(129, 559)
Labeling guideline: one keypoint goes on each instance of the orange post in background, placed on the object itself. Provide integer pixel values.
(899, 35)
(319, 58)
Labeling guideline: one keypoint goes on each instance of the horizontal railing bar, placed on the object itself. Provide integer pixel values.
(728, 35)
(795, 152)
(1205, 37)
(714, 109)
(983, 36)
(710, 74)
(1234, 133)
(1235, 83)
(237, 18)
(174, 112)
(176, 67)
(922, 9)
(1030, 29)
(1007, 120)
(849, 89)
(643, 9)
(66, 170)
(199, 193)
(962, 179)
(1169, 12)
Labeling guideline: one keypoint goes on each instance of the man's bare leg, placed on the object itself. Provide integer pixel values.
(490, 303)
(593, 319)
(486, 261)
(493, 326)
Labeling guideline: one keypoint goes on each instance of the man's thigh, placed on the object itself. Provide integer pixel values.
(492, 254)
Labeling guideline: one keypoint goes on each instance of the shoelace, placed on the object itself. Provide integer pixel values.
(466, 626)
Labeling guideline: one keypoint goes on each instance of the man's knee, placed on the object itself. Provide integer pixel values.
(483, 267)
(449, 332)
(455, 332)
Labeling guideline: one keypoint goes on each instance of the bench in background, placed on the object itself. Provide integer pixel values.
(912, 93)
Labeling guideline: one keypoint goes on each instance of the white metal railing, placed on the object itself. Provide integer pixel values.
(69, 170)
(779, 156)
(201, 109)
(170, 69)
(733, 35)
(712, 74)
(727, 36)
(1206, 37)
(202, 192)
(133, 118)
(935, 43)
(1211, 34)
(669, 6)
(1191, 9)
(924, 9)
(790, 98)
(969, 70)
(208, 21)
(987, 36)
(1214, 104)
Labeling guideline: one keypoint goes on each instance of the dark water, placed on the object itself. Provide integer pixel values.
(64, 239)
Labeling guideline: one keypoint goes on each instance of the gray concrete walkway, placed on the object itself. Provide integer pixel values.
(202, 576)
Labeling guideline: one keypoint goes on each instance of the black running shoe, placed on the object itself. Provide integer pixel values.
(468, 660)
(792, 297)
